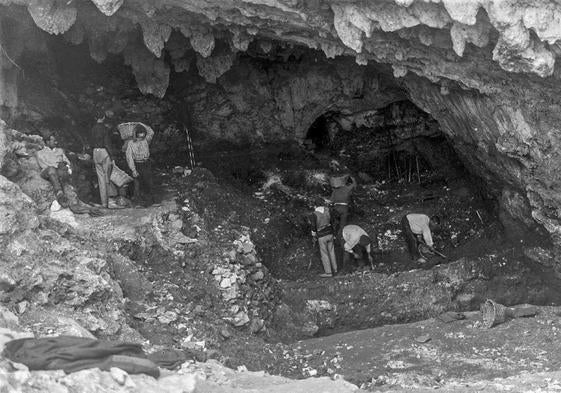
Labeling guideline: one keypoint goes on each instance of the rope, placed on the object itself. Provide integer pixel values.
(10, 59)
(190, 149)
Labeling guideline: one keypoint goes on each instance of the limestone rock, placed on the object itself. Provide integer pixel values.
(52, 17)
(17, 210)
(108, 7)
(155, 36)
(212, 67)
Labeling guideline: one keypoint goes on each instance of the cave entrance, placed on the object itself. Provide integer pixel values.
(321, 132)
(395, 143)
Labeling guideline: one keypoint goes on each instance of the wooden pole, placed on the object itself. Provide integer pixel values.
(418, 174)
(410, 164)
(396, 167)
(389, 167)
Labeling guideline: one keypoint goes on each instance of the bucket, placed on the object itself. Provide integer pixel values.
(493, 313)
(338, 181)
(119, 177)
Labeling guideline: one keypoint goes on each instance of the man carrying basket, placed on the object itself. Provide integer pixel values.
(138, 159)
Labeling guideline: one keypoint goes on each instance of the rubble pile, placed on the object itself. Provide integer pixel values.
(245, 285)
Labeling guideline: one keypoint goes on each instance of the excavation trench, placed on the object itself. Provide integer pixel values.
(260, 183)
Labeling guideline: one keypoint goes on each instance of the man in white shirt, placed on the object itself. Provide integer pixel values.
(358, 244)
(55, 167)
(138, 159)
(417, 229)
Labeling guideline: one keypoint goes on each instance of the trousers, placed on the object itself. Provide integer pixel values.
(103, 167)
(341, 217)
(143, 183)
(410, 238)
(57, 177)
(327, 253)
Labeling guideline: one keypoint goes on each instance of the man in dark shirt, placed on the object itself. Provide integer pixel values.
(341, 199)
(103, 156)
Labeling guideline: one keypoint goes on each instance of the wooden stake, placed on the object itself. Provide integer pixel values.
(410, 164)
(389, 167)
(418, 174)
(396, 168)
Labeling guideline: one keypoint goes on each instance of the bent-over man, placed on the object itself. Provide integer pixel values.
(417, 229)
(358, 244)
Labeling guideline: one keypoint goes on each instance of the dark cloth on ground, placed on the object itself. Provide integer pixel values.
(77, 353)
(169, 358)
(451, 316)
(410, 238)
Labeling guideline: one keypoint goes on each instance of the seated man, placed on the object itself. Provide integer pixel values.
(55, 167)
(417, 229)
(357, 243)
(138, 159)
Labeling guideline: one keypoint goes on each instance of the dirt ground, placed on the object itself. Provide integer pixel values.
(230, 199)
(470, 225)
(461, 351)
(266, 192)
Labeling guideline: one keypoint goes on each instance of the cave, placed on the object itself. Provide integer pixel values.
(445, 109)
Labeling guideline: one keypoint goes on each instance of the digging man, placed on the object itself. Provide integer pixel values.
(358, 244)
(322, 232)
(417, 229)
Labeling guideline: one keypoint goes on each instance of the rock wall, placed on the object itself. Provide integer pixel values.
(262, 100)
(485, 70)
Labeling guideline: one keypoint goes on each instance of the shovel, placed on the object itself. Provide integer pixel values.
(422, 245)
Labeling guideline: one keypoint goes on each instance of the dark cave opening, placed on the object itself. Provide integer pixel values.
(321, 133)
(396, 142)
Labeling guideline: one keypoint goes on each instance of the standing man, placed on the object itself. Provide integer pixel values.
(323, 233)
(341, 198)
(358, 244)
(417, 229)
(138, 159)
(103, 158)
(55, 167)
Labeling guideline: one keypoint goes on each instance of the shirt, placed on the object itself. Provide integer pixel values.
(47, 157)
(343, 194)
(102, 139)
(419, 224)
(352, 235)
(139, 150)
(321, 221)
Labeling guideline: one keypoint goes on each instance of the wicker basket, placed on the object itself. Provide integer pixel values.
(127, 129)
(119, 177)
(493, 313)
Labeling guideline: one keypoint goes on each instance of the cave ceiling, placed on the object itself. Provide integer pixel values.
(475, 43)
